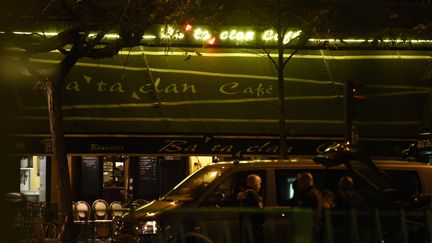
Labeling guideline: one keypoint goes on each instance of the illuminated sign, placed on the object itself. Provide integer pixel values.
(168, 32)
(202, 34)
(237, 35)
(242, 35)
(270, 35)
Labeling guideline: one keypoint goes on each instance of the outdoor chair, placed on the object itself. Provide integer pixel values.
(100, 209)
(116, 209)
(82, 211)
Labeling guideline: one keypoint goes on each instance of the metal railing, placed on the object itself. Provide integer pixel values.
(289, 225)
(298, 225)
(32, 222)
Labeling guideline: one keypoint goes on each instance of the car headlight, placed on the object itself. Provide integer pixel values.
(147, 228)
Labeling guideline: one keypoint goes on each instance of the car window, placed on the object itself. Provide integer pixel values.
(225, 194)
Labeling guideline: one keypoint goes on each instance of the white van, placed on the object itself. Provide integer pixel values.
(209, 199)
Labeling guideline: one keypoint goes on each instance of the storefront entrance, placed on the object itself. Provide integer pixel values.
(126, 178)
(34, 178)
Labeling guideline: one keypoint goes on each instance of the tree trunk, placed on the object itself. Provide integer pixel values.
(281, 88)
(59, 160)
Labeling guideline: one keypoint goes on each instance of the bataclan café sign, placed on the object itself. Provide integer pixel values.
(162, 145)
(193, 145)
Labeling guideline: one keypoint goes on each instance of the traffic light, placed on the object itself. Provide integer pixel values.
(351, 98)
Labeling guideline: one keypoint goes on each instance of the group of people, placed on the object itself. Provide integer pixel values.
(305, 195)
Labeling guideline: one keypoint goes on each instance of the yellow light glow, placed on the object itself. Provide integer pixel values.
(271, 35)
(169, 32)
(213, 174)
(39, 33)
(149, 37)
(354, 40)
(237, 35)
(200, 34)
(108, 36)
(290, 36)
(21, 33)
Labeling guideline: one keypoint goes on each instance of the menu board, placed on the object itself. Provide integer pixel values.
(148, 168)
(90, 162)
(147, 181)
(90, 174)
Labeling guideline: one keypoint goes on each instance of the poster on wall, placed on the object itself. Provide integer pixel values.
(25, 180)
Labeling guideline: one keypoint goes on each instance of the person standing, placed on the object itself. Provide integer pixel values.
(327, 198)
(308, 196)
(347, 197)
(349, 200)
(251, 225)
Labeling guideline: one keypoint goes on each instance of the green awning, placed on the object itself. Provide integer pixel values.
(234, 91)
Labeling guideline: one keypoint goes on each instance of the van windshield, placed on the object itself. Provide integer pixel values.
(194, 185)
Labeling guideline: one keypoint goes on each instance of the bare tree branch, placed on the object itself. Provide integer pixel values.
(271, 59)
(32, 43)
(24, 58)
(290, 56)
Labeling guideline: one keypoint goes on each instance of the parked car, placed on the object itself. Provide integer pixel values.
(385, 185)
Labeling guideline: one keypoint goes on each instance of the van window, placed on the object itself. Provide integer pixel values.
(410, 178)
(226, 193)
(326, 179)
(192, 187)
(409, 182)
(284, 186)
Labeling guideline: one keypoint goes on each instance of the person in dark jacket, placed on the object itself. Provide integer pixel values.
(251, 225)
(306, 195)
(347, 197)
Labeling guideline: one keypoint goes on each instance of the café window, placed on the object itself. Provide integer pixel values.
(113, 171)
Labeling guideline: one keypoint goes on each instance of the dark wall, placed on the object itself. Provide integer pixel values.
(91, 178)
(155, 176)
(171, 173)
(10, 166)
